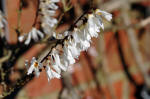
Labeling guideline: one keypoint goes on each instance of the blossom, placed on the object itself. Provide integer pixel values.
(34, 66)
(73, 49)
(105, 14)
(33, 34)
(77, 35)
(48, 22)
(49, 4)
(48, 8)
(56, 62)
(21, 38)
(26, 63)
(81, 43)
(50, 72)
(94, 24)
(68, 56)
(86, 34)
(84, 45)
(73, 42)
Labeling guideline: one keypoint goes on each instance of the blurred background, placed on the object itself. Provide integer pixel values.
(116, 66)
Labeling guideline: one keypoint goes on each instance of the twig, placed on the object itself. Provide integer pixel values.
(134, 45)
(78, 19)
(139, 87)
(141, 24)
(19, 18)
(17, 86)
(5, 58)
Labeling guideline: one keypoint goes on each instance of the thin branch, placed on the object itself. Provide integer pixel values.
(140, 24)
(19, 18)
(134, 44)
(5, 58)
(17, 86)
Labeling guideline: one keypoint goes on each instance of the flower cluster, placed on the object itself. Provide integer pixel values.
(76, 41)
(47, 9)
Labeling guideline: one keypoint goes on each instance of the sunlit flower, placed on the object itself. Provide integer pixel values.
(73, 49)
(81, 43)
(49, 4)
(57, 64)
(21, 38)
(33, 34)
(48, 23)
(26, 63)
(94, 24)
(48, 9)
(50, 72)
(68, 55)
(105, 14)
(34, 66)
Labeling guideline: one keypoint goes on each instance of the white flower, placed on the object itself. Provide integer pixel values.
(86, 34)
(60, 35)
(50, 72)
(48, 9)
(47, 29)
(29, 37)
(93, 26)
(49, 21)
(26, 63)
(77, 35)
(48, 24)
(21, 38)
(33, 34)
(67, 55)
(105, 14)
(34, 66)
(81, 43)
(73, 49)
(84, 45)
(56, 68)
(47, 12)
(48, 5)
(57, 64)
